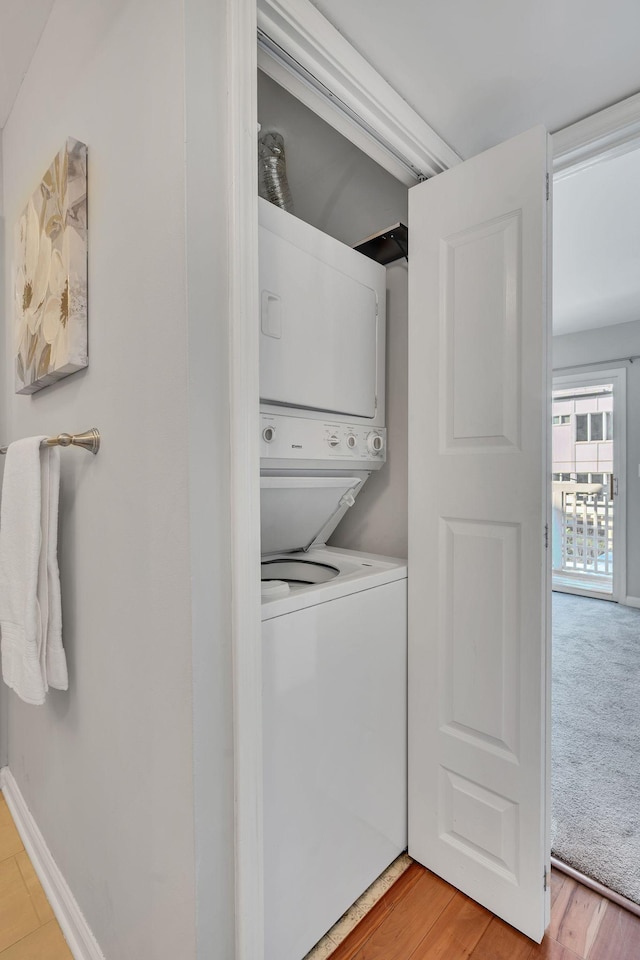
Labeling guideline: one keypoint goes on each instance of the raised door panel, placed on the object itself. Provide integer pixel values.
(481, 274)
(478, 656)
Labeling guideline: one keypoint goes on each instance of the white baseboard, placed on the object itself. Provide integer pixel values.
(81, 941)
(632, 602)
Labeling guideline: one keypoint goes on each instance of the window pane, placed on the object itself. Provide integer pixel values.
(556, 476)
(565, 418)
(608, 426)
(582, 478)
(597, 478)
(596, 426)
(555, 420)
(582, 427)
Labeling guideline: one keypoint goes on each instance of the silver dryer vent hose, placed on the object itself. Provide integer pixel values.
(272, 170)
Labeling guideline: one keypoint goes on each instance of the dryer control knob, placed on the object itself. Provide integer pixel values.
(375, 443)
(268, 434)
(333, 441)
(351, 441)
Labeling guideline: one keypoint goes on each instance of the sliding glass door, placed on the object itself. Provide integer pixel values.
(587, 488)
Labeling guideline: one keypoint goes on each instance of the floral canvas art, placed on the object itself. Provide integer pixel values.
(51, 274)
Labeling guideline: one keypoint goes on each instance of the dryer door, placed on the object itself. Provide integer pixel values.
(321, 321)
(297, 512)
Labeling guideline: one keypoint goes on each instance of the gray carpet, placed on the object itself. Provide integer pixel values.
(596, 740)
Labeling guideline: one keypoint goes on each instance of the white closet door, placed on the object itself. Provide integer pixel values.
(478, 501)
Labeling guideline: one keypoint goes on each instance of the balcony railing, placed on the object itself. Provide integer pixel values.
(582, 536)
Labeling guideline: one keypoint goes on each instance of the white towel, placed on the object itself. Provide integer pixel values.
(54, 661)
(30, 608)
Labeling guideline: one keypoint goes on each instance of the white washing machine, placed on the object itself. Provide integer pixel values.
(334, 715)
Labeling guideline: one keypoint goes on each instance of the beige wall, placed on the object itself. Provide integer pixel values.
(106, 768)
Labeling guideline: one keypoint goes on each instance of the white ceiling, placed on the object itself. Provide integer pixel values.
(596, 246)
(21, 25)
(480, 71)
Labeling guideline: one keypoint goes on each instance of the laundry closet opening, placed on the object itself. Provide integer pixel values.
(341, 191)
(334, 616)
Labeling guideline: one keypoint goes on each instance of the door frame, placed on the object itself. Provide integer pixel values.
(593, 375)
(606, 131)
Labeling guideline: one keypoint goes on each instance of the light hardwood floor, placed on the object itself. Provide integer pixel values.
(423, 918)
(28, 929)
(420, 917)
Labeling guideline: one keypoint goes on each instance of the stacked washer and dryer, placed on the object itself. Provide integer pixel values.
(333, 620)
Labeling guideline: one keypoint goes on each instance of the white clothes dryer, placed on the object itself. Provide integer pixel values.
(334, 728)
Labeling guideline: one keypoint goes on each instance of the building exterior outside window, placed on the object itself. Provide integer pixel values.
(583, 434)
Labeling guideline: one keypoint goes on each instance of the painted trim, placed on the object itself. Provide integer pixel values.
(75, 928)
(340, 81)
(244, 391)
(608, 133)
(599, 888)
(580, 592)
(207, 197)
(632, 602)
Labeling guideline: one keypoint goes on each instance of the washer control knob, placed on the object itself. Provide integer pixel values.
(333, 441)
(351, 441)
(268, 434)
(375, 443)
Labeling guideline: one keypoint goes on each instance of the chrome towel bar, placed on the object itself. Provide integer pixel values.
(89, 440)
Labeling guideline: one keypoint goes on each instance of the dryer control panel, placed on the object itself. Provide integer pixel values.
(319, 444)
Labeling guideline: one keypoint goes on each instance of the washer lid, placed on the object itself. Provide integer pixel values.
(297, 512)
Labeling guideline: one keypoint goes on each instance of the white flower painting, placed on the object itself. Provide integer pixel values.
(51, 274)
